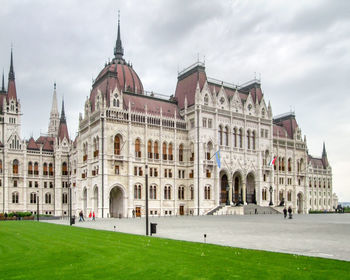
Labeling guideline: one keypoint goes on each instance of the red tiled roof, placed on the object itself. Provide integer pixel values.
(32, 145)
(63, 131)
(290, 125)
(11, 92)
(2, 98)
(139, 102)
(47, 142)
(316, 162)
(279, 131)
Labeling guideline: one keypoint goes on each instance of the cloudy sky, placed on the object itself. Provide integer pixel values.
(301, 49)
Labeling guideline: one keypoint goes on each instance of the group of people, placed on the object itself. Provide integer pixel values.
(91, 216)
(290, 212)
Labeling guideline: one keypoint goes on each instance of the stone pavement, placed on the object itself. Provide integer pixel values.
(320, 235)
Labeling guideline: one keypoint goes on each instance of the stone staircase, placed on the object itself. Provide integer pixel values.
(252, 209)
(212, 211)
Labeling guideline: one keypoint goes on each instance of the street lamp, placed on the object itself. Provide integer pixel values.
(271, 189)
(146, 172)
(37, 206)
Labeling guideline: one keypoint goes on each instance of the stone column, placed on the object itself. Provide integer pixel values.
(244, 191)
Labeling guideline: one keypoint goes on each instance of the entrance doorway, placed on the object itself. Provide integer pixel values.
(116, 203)
(138, 211)
(182, 210)
(224, 190)
(251, 198)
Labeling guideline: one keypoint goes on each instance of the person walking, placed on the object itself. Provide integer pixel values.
(81, 218)
(93, 216)
(90, 215)
(290, 212)
(285, 212)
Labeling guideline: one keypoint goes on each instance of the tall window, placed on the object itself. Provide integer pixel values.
(137, 192)
(48, 198)
(137, 148)
(170, 151)
(0, 166)
(116, 145)
(240, 138)
(191, 152)
(248, 139)
(167, 192)
(30, 168)
(209, 150)
(149, 149)
(289, 196)
(181, 152)
(64, 168)
(96, 146)
(220, 135)
(253, 139)
(283, 164)
(181, 193)
(289, 165)
(15, 197)
(33, 198)
(153, 192)
(50, 169)
(165, 157)
(264, 194)
(15, 167)
(36, 168)
(192, 193)
(207, 192)
(226, 136)
(155, 150)
(235, 137)
(45, 172)
(85, 151)
(64, 198)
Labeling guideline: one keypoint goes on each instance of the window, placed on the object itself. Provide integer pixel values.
(64, 168)
(181, 152)
(45, 185)
(210, 123)
(253, 139)
(15, 167)
(165, 157)
(64, 198)
(191, 152)
(192, 123)
(204, 122)
(220, 135)
(33, 198)
(191, 174)
(85, 151)
(36, 168)
(0, 166)
(36, 184)
(30, 184)
(264, 194)
(240, 138)
(48, 198)
(208, 173)
(289, 165)
(50, 169)
(30, 168)
(226, 134)
(248, 139)
(51, 185)
(206, 99)
(153, 192)
(155, 150)
(45, 172)
(116, 169)
(137, 192)
(192, 193)
(149, 149)
(289, 195)
(15, 183)
(116, 145)
(170, 151)
(181, 193)
(137, 148)
(15, 197)
(167, 192)
(207, 192)
(235, 137)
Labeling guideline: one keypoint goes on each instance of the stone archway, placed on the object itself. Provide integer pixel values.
(237, 188)
(85, 202)
(116, 202)
(251, 195)
(300, 203)
(224, 189)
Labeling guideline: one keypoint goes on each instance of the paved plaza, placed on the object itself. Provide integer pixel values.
(320, 235)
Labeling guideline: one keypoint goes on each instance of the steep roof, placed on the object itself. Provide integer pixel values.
(288, 122)
(63, 129)
(11, 89)
(31, 145)
(316, 162)
(279, 131)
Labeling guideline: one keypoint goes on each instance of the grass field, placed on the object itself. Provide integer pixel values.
(32, 250)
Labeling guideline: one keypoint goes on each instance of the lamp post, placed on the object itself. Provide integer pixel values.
(70, 206)
(37, 206)
(146, 172)
(271, 189)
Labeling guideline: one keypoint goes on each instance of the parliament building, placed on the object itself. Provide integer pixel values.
(205, 149)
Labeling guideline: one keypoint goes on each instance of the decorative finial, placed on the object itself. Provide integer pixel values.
(11, 73)
(118, 50)
(54, 85)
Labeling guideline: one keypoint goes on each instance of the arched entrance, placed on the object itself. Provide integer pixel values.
(116, 203)
(95, 200)
(224, 199)
(251, 195)
(237, 188)
(85, 202)
(300, 203)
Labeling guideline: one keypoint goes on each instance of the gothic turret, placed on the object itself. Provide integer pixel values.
(54, 116)
(118, 50)
(62, 129)
(11, 93)
(324, 156)
(3, 83)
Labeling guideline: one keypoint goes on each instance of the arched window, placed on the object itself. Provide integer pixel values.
(64, 168)
(248, 139)
(191, 152)
(50, 169)
(137, 148)
(240, 137)
(279, 164)
(64, 198)
(181, 153)
(289, 165)
(167, 192)
(192, 192)
(155, 150)
(283, 164)
(289, 196)
(137, 192)
(264, 194)
(207, 192)
(15, 166)
(36, 168)
(96, 146)
(15, 197)
(33, 198)
(170, 151)
(165, 156)
(226, 136)
(0, 166)
(181, 193)
(149, 149)
(206, 99)
(45, 172)
(48, 198)
(302, 165)
(253, 139)
(153, 192)
(116, 145)
(220, 135)
(209, 150)
(85, 151)
(30, 168)
(235, 137)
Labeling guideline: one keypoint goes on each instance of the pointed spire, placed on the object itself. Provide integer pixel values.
(324, 153)
(62, 129)
(3, 82)
(54, 115)
(11, 73)
(118, 50)
(63, 116)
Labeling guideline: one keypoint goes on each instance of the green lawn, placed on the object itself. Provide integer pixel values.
(32, 250)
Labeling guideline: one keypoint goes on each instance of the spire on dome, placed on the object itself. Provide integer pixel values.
(118, 50)
(11, 89)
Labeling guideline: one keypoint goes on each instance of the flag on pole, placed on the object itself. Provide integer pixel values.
(272, 162)
(218, 161)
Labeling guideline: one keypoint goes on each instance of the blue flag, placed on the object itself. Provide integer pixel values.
(218, 158)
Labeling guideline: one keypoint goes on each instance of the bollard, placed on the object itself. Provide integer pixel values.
(153, 228)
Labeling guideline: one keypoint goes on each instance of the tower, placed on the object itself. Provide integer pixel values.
(62, 128)
(54, 116)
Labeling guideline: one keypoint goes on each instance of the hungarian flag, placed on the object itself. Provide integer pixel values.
(272, 162)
